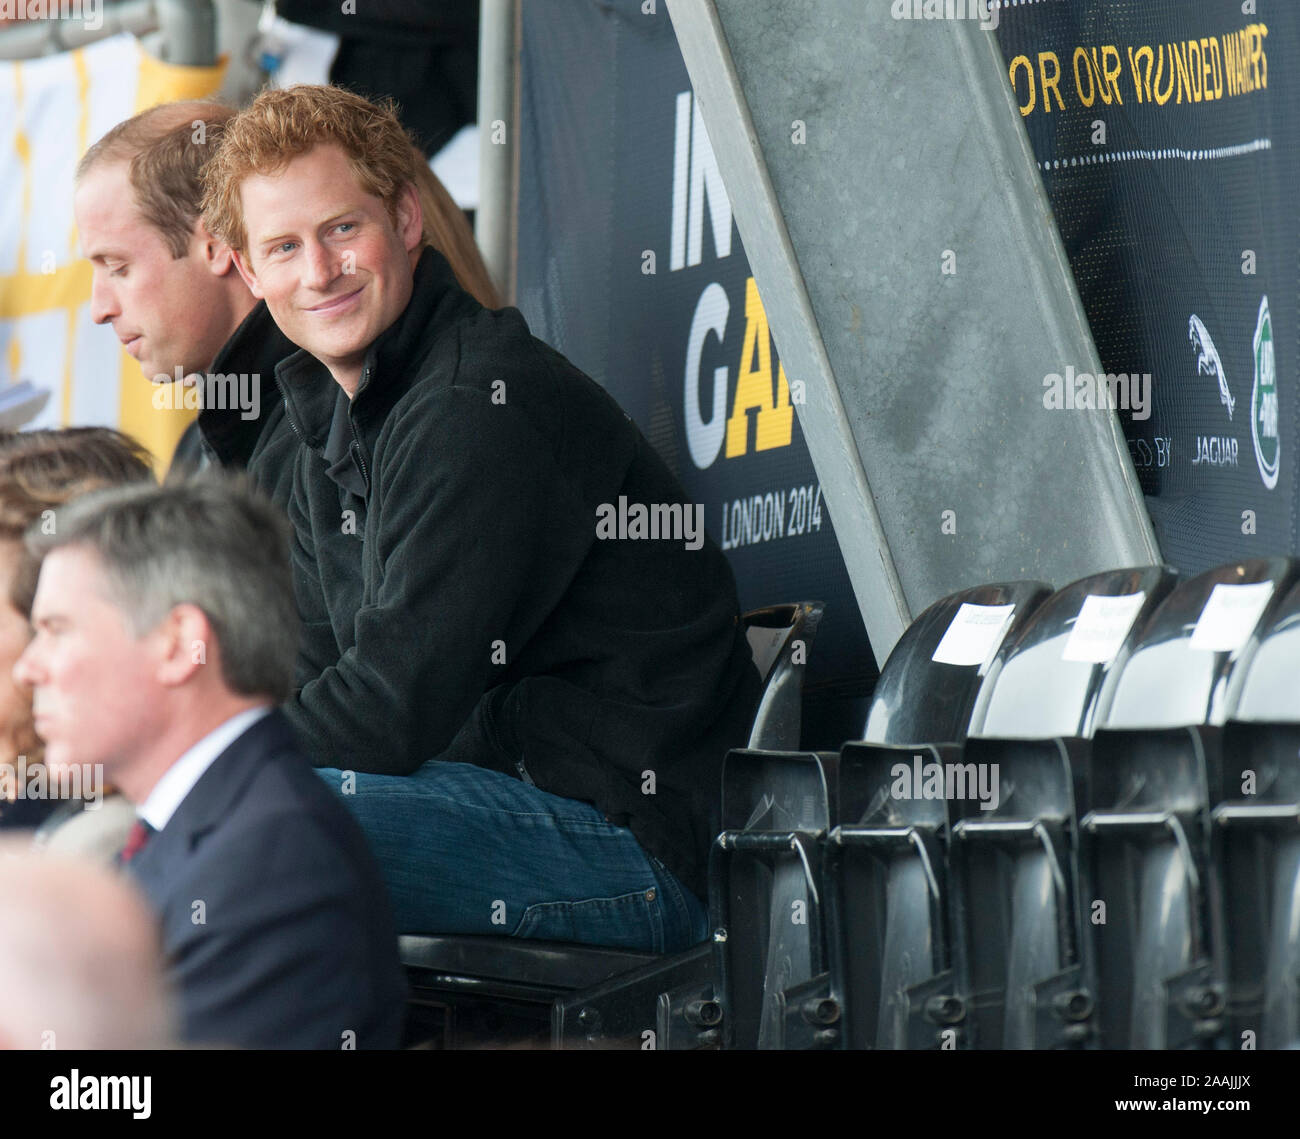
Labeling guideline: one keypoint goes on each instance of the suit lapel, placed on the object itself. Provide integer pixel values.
(213, 797)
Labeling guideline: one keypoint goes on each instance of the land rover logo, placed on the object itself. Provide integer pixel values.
(1263, 401)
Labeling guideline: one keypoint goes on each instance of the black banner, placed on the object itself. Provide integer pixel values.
(1168, 136)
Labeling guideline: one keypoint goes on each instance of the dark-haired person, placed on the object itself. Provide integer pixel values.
(531, 714)
(164, 638)
(39, 471)
(172, 295)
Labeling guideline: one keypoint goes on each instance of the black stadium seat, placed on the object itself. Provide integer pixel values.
(1153, 931)
(933, 676)
(1057, 672)
(887, 901)
(1014, 868)
(1255, 850)
(765, 900)
(952, 923)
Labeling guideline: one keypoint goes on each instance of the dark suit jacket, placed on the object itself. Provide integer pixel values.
(275, 918)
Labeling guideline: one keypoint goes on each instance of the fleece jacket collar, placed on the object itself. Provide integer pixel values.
(388, 371)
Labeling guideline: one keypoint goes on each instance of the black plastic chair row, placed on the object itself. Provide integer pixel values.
(1117, 888)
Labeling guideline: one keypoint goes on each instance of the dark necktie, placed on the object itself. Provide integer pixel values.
(138, 835)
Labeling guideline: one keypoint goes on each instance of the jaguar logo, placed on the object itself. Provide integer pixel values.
(1208, 362)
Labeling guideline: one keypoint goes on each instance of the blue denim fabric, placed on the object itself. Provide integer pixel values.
(464, 849)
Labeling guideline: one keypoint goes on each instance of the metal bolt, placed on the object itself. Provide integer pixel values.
(821, 1010)
(945, 1010)
(1207, 1001)
(704, 1013)
(1073, 1006)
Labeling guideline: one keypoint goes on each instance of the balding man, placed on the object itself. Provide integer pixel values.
(172, 293)
(82, 957)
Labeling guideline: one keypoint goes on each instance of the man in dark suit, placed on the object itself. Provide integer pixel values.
(165, 634)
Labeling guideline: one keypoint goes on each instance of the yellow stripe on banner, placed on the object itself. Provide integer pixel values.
(26, 294)
(160, 431)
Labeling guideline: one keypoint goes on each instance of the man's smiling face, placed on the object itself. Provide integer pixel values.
(334, 270)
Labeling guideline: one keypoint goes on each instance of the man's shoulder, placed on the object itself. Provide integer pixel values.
(492, 363)
(284, 793)
(477, 346)
(273, 815)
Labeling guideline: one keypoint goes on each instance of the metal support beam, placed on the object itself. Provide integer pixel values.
(189, 32)
(858, 151)
(34, 38)
(496, 219)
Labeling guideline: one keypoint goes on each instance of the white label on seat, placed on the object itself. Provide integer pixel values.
(1230, 616)
(1101, 626)
(974, 634)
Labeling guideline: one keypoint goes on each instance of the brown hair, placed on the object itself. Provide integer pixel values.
(166, 148)
(42, 470)
(280, 125)
(447, 230)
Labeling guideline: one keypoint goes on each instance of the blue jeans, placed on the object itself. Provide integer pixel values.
(464, 849)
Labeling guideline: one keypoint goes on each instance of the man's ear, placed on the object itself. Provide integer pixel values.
(216, 253)
(410, 217)
(250, 279)
(184, 640)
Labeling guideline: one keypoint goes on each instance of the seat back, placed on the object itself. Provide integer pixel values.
(1153, 944)
(1051, 678)
(928, 687)
(887, 897)
(1192, 656)
(1012, 866)
(764, 887)
(1256, 864)
(781, 637)
(1256, 841)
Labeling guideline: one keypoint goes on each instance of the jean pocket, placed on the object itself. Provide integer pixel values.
(628, 921)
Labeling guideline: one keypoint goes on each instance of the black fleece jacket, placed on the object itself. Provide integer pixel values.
(265, 445)
(463, 607)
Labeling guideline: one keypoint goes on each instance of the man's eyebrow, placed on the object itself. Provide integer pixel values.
(288, 235)
(263, 242)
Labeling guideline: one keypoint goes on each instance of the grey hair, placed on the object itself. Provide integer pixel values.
(211, 542)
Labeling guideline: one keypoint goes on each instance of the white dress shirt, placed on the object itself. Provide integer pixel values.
(179, 779)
